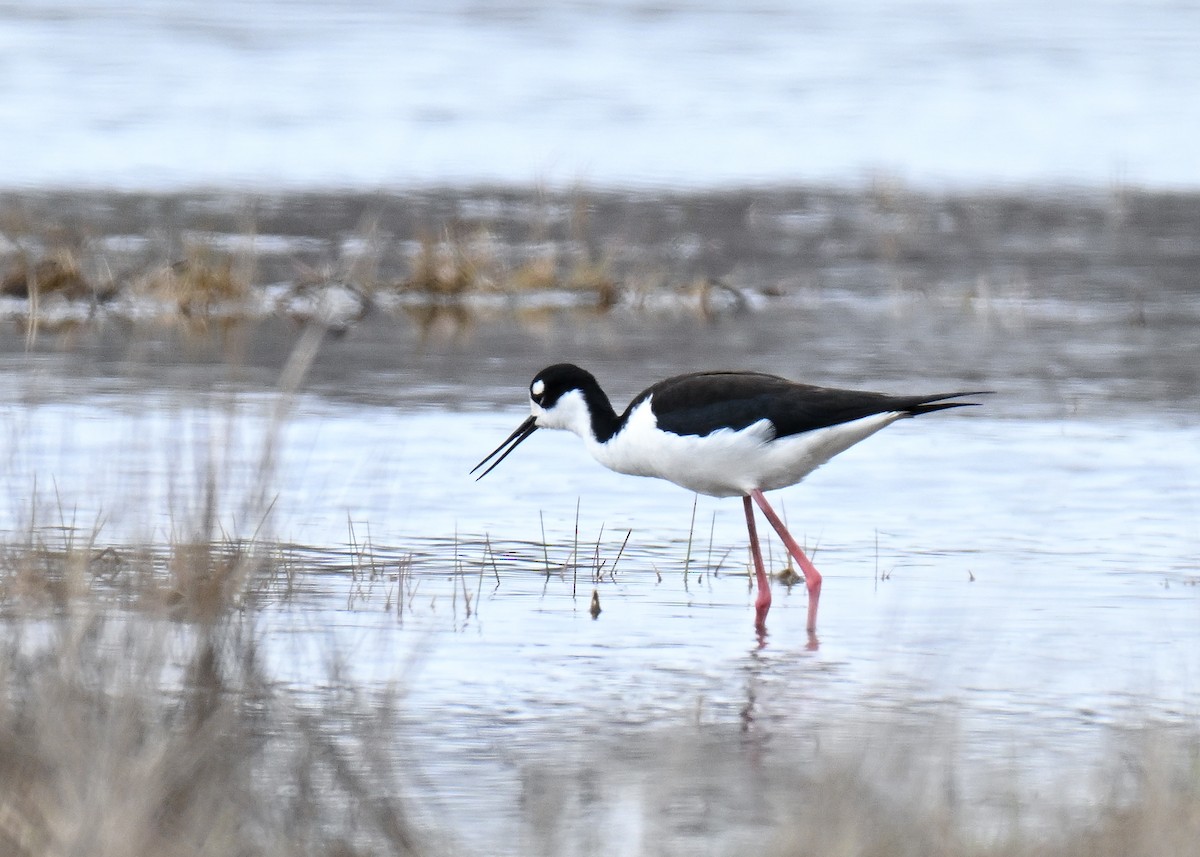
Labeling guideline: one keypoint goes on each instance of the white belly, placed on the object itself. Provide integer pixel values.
(728, 463)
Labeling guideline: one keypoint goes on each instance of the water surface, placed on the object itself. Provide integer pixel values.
(1023, 574)
(171, 94)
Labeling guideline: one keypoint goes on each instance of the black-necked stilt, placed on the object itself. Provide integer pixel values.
(725, 434)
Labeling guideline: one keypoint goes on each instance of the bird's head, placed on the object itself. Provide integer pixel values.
(558, 399)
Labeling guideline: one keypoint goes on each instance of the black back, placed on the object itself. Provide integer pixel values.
(699, 404)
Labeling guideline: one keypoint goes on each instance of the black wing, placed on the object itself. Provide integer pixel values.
(700, 404)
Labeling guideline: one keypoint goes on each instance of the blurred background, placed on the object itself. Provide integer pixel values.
(275, 275)
(622, 93)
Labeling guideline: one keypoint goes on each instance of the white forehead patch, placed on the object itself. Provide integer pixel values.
(539, 387)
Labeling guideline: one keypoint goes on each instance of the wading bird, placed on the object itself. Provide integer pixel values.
(724, 434)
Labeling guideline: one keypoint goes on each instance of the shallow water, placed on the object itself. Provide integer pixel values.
(1026, 573)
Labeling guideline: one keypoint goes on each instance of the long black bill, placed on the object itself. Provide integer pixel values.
(523, 431)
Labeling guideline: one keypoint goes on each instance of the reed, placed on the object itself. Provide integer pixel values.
(121, 736)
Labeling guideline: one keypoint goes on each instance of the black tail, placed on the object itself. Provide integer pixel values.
(939, 403)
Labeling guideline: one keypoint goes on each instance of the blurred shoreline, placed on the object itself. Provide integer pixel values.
(1078, 299)
(1113, 242)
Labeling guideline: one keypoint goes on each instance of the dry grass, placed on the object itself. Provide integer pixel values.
(44, 260)
(204, 279)
(1146, 803)
(59, 272)
(138, 715)
(125, 737)
(185, 580)
(195, 275)
(460, 263)
(447, 267)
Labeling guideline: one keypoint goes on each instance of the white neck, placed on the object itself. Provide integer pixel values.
(570, 412)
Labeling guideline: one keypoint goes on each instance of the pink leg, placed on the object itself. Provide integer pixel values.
(812, 577)
(763, 602)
